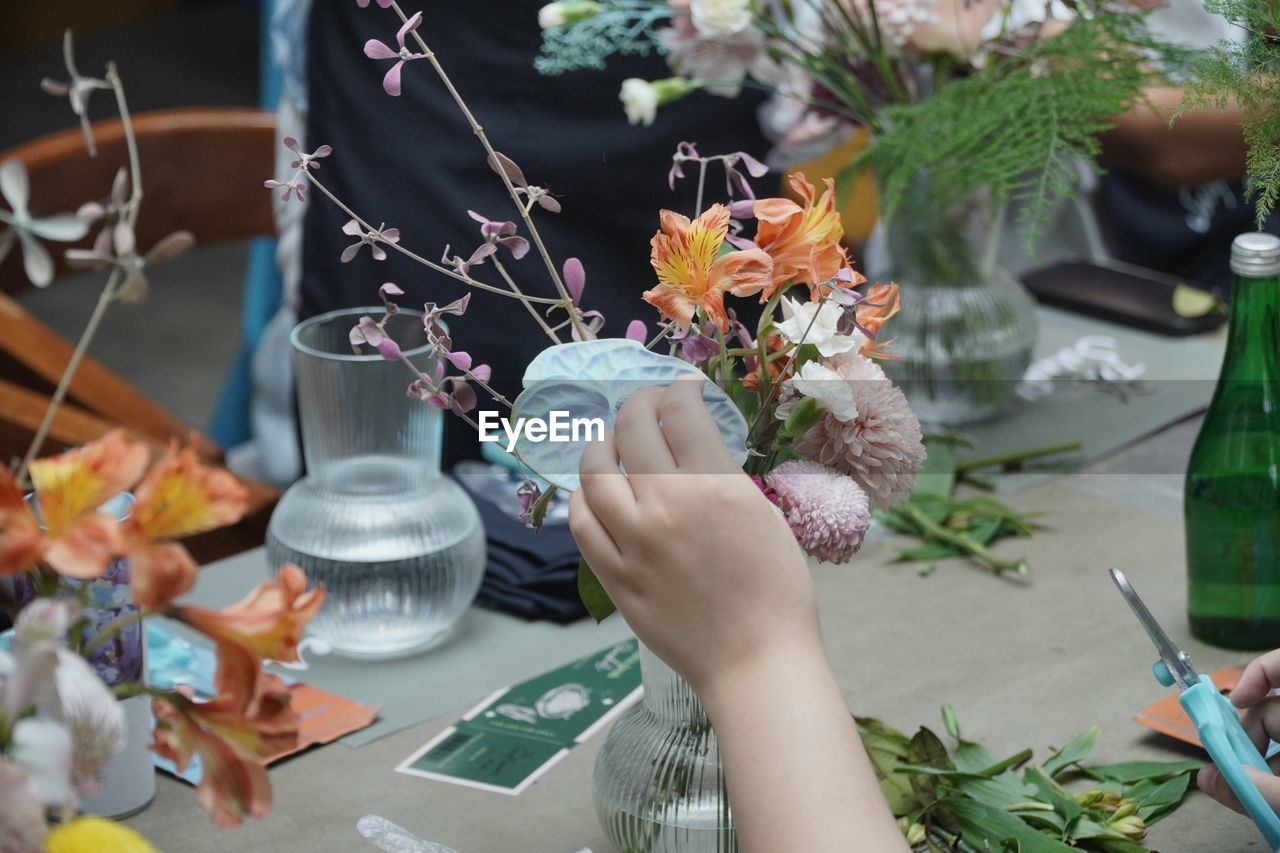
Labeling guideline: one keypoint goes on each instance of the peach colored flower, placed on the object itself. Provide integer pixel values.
(883, 301)
(266, 624)
(804, 242)
(179, 497)
(70, 536)
(693, 274)
(955, 27)
(21, 542)
(231, 741)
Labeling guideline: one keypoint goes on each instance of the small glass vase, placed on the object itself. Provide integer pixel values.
(967, 328)
(658, 783)
(399, 547)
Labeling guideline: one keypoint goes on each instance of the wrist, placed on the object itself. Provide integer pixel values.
(766, 673)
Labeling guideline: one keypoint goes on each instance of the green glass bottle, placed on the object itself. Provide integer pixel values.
(1232, 494)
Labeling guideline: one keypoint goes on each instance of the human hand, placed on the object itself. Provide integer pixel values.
(703, 567)
(1261, 722)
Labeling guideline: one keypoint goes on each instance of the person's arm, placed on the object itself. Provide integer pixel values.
(1202, 145)
(1261, 722)
(709, 576)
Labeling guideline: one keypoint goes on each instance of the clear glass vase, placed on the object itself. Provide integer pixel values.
(967, 328)
(659, 786)
(399, 547)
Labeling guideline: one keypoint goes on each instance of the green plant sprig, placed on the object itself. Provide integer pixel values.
(964, 799)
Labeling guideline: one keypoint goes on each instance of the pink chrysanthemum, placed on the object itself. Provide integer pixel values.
(827, 511)
(880, 446)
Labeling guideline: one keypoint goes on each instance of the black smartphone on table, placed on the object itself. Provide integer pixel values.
(1122, 293)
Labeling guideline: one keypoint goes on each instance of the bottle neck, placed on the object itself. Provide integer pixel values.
(1253, 337)
(668, 696)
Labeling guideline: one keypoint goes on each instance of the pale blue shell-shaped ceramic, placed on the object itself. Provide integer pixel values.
(592, 379)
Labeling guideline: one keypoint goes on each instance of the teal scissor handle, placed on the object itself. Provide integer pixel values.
(1218, 724)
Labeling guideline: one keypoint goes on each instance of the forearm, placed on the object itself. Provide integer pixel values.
(1202, 145)
(796, 771)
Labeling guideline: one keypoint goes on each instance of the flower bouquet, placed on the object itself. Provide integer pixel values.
(798, 391)
(89, 549)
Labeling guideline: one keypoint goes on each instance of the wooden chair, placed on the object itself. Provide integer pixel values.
(202, 170)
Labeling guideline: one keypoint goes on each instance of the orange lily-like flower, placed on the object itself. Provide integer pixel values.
(231, 741)
(883, 301)
(70, 535)
(693, 274)
(804, 241)
(179, 497)
(266, 624)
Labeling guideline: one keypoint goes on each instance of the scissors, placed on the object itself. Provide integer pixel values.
(1216, 720)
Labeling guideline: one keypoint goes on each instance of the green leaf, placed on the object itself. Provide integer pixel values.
(803, 414)
(1051, 793)
(1073, 752)
(985, 827)
(949, 721)
(598, 602)
(928, 551)
(538, 511)
(926, 749)
(1128, 772)
(1161, 799)
(887, 748)
(937, 475)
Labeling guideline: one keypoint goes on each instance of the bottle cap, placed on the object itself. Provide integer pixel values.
(1255, 255)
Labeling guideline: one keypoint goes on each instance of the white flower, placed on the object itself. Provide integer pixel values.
(816, 323)
(827, 387)
(720, 17)
(92, 715)
(559, 14)
(42, 747)
(640, 100)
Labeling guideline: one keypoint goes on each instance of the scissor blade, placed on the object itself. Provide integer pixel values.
(1178, 661)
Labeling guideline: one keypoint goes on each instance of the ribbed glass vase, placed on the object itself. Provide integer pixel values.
(967, 328)
(399, 547)
(659, 786)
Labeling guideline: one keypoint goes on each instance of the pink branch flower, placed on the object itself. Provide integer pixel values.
(375, 49)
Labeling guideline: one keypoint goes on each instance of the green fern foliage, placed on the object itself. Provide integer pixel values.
(1247, 75)
(1017, 126)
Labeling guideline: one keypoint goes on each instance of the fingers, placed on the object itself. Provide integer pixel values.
(641, 444)
(605, 490)
(594, 541)
(691, 433)
(1258, 679)
(1212, 782)
(1262, 722)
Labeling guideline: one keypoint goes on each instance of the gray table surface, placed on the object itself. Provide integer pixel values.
(1024, 664)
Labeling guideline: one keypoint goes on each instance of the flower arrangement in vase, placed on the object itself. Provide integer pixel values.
(89, 548)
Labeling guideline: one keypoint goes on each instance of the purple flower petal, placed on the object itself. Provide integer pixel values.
(352, 228)
(742, 209)
(389, 349)
(408, 27)
(389, 289)
(637, 331)
(503, 164)
(391, 82)
(322, 151)
(575, 278)
(519, 246)
(546, 202)
(291, 144)
(463, 399)
(483, 251)
(482, 372)
(372, 332)
(754, 166)
(391, 235)
(739, 242)
(379, 253)
(356, 337)
(350, 252)
(122, 238)
(460, 360)
(458, 306)
(375, 49)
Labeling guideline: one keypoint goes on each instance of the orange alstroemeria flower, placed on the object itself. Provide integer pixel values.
(70, 535)
(266, 624)
(693, 274)
(804, 242)
(179, 497)
(883, 301)
(231, 742)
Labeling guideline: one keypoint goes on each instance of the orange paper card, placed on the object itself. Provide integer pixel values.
(1166, 716)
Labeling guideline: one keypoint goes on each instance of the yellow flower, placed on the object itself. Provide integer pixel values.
(95, 835)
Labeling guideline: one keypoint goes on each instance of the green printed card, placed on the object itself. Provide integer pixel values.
(516, 734)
